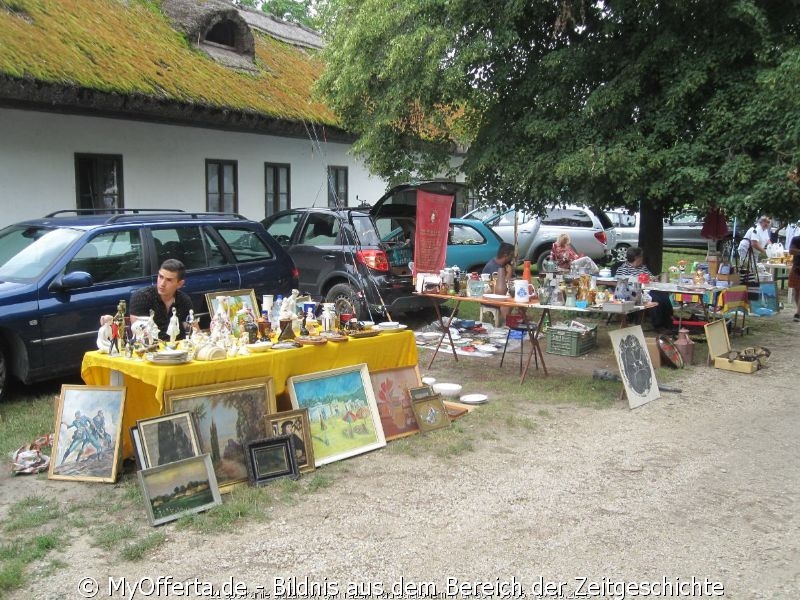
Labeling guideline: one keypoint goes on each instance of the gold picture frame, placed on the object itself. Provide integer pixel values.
(93, 440)
(431, 413)
(227, 416)
(295, 423)
(239, 299)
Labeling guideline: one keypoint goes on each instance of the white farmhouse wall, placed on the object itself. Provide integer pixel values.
(163, 165)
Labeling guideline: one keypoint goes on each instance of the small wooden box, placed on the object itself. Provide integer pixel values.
(719, 345)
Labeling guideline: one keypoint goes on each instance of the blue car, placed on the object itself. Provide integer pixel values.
(59, 274)
(470, 243)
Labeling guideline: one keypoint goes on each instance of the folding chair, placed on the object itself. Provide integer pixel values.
(733, 301)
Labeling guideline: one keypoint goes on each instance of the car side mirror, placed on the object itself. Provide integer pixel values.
(71, 281)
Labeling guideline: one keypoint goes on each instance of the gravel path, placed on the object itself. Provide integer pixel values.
(702, 484)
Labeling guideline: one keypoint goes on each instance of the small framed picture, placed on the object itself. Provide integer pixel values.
(179, 488)
(233, 301)
(168, 438)
(431, 413)
(270, 459)
(420, 392)
(295, 423)
(136, 441)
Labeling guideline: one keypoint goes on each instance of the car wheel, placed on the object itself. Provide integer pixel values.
(345, 299)
(540, 261)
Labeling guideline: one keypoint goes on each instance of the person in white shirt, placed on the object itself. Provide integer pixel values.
(757, 237)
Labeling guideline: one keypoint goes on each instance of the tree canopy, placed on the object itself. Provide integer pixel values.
(637, 103)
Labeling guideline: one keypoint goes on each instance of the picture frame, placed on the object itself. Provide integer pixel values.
(431, 414)
(342, 412)
(296, 424)
(168, 438)
(420, 392)
(227, 416)
(93, 440)
(391, 388)
(633, 360)
(179, 488)
(270, 459)
(136, 442)
(239, 299)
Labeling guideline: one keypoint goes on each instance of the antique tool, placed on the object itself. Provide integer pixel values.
(604, 375)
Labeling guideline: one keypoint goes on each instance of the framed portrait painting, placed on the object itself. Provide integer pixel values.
(638, 376)
(86, 442)
(228, 416)
(391, 388)
(295, 423)
(168, 438)
(342, 412)
(270, 459)
(179, 488)
(234, 301)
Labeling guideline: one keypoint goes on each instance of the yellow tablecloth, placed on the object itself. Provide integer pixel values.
(146, 382)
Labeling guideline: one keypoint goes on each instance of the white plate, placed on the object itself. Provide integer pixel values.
(259, 346)
(474, 398)
(389, 325)
(389, 329)
(432, 335)
(486, 348)
(497, 296)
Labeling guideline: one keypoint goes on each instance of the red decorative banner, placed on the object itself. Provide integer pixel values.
(430, 238)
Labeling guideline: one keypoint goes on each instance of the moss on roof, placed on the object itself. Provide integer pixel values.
(129, 47)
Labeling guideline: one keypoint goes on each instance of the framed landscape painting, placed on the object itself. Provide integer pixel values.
(179, 488)
(86, 442)
(342, 412)
(228, 416)
(271, 459)
(391, 388)
(295, 424)
(168, 438)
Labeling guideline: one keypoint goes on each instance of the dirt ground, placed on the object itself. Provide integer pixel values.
(696, 491)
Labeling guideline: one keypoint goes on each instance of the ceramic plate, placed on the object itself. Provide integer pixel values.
(486, 348)
(432, 335)
(259, 346)
(474, 398)
(389, 329)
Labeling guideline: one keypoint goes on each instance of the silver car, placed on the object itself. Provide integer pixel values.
(627, 226)
(590, 232)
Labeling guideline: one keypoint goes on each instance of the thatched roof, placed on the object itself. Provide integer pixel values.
(136, 59)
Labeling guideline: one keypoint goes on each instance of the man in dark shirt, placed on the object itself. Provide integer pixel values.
(160, 298)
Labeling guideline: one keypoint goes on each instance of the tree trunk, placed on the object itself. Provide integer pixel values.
(651, 235)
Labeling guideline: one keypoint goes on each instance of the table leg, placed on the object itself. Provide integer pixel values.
(446, 328)
(535, 352)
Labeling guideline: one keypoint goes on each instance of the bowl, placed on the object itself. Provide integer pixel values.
(429, 380)
(467, 324)
(389, 325)
(450, 390)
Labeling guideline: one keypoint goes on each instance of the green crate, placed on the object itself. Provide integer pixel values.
(571, 343)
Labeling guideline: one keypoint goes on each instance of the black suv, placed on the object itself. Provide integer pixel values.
(59, 274)
(341, 260)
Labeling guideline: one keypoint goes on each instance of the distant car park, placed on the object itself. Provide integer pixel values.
(591, 232)
(683, 231)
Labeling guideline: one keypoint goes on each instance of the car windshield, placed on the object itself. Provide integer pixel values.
(27, 252)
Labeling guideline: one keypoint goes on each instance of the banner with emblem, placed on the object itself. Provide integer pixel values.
(430, 238)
